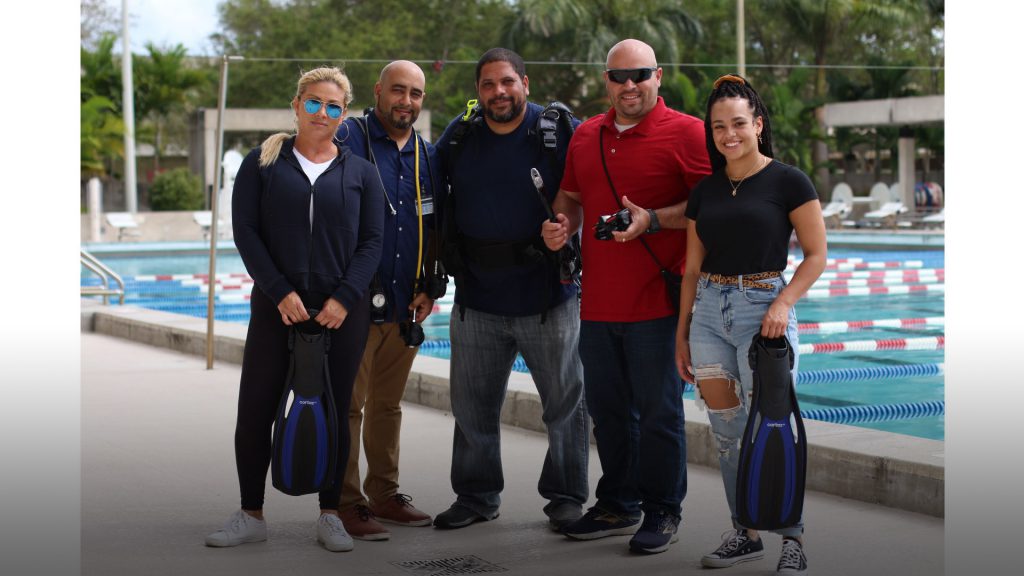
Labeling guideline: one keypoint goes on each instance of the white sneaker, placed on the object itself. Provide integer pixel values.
(240, 528)
(331, 533)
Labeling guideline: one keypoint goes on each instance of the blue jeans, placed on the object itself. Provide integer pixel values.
(484, 346)
(635, 398)
(725, 319)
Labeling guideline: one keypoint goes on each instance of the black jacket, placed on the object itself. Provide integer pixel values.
(270, 212)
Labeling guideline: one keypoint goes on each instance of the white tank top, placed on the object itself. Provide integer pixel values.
(313, 171)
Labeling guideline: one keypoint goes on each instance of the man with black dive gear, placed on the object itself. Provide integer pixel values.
(401, 298)
(508, 298)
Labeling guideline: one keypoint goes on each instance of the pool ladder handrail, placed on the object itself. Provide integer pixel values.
(105, 273)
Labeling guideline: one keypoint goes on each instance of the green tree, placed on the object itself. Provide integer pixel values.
(177, 189)
(102, 136)
(163, 83)
(583, 32)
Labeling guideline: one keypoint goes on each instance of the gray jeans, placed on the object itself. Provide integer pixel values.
(484, 346)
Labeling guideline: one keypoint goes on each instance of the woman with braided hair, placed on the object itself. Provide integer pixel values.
(740, 221)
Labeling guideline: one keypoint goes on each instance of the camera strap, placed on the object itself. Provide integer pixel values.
(604, 164)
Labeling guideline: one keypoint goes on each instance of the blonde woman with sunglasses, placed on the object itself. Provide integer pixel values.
(308, 221)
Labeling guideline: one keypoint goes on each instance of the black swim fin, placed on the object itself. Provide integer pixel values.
(773, 455)
(305, 442)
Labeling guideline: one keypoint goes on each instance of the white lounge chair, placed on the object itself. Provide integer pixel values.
(886, 215)
(937, 219)
(125, 224)
(834, 212)
(204, 218)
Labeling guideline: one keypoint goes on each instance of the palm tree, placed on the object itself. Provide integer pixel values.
(582, 32)
(819, 23)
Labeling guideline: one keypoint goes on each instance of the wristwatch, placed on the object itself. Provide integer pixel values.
(654, 225)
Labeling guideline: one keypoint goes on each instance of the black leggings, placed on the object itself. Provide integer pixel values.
(264, 369)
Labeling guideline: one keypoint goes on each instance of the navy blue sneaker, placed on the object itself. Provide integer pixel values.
(656, 533)
(597, 523)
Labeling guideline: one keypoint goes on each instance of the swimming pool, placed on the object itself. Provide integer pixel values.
(832, 383)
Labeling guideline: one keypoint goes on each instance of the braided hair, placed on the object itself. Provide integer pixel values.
(735, 86)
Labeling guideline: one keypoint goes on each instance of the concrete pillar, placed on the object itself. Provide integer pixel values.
(94, 204)
(906, 177)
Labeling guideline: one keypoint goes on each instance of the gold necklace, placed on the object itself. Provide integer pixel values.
(755, 168)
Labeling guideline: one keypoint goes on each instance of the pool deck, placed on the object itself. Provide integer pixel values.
(158, 474)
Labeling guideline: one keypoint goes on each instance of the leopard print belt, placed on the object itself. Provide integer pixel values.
(749, 280)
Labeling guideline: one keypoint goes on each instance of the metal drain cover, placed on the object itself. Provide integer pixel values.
(449, 566)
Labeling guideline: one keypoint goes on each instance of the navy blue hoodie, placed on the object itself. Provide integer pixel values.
(270, 212)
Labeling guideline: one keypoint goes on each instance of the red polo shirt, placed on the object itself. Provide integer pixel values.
(655, 164)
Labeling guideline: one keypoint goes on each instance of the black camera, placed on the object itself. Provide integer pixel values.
(411, 332)
(617, 222)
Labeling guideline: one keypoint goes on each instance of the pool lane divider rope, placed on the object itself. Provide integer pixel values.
(908, 275)
(877, 412)
(849, 266)
(854, 325)
(875, 290)
(927, 343)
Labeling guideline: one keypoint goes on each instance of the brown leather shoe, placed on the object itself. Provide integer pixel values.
(361, 525)
(398, 510)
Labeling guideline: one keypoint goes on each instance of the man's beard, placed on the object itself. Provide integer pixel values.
(399, 122)
(513, 112)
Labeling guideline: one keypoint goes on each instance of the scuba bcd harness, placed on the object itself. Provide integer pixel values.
(433, 282)
(458, 247)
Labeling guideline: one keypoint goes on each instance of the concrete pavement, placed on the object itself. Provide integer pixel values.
(158, 475)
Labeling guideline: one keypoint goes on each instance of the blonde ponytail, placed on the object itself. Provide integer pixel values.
(271, 148)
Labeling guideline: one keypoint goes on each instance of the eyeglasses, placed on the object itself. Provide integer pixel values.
(637, 75)
(333, 110)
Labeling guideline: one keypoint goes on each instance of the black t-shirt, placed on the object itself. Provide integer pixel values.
(748, 233)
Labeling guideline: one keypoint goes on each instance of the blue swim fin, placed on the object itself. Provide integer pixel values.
(773, 455)
(305, 441)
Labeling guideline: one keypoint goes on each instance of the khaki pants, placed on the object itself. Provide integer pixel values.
(376, 411)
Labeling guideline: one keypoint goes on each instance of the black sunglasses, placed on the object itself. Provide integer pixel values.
(637, 75)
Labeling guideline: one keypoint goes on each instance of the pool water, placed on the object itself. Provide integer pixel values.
(191, 300)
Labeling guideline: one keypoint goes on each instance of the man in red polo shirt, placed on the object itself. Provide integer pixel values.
(644, 157)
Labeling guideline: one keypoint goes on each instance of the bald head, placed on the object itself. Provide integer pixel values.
(633, 87)
(399, 94)
(403, 67)
(634, 53)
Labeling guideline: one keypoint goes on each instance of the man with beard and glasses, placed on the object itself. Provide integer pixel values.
(647, 158)
(508, 298)
(405, 163)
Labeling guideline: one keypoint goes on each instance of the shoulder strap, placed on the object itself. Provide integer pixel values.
(554, 115)
(462, 130)
(608, 175)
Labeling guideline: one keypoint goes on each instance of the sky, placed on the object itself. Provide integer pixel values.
(169, 22)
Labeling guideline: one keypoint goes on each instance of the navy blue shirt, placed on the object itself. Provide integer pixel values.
(397, 169)
(496, 201)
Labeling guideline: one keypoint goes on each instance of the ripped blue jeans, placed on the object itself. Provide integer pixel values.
(725, 319)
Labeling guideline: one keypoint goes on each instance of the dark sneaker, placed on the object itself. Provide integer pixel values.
(597, 523)
(459, 516)
(736, 547)
(792, 560)
(562, 514)
(656, 533)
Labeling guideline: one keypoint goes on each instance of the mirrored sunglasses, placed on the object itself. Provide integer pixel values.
(637, 75)
(333, 110)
